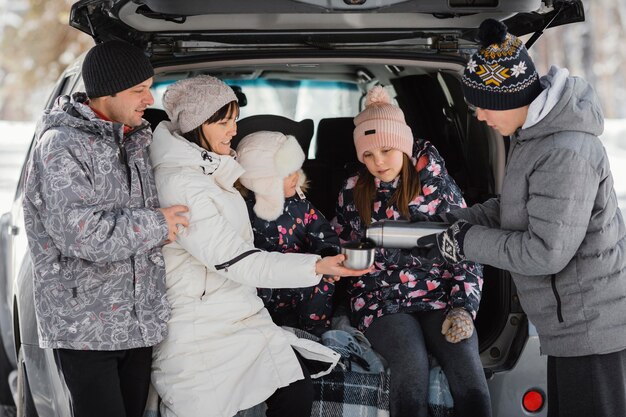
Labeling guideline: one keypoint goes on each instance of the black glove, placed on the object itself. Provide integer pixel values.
(447, 245)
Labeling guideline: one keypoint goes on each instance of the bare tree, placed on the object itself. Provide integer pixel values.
(594, 50)
(35, 51)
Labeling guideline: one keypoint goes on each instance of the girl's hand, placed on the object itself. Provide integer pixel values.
(329, 279)
(333, 266)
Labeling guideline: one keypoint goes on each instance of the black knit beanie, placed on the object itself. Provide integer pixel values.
(114, 66)
(501, 75)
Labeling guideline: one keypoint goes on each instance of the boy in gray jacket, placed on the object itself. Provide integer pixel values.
(95, 231)
(556, 226)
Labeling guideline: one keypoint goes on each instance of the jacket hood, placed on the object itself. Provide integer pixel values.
(566, 104)
(171, 150)
(73, 112)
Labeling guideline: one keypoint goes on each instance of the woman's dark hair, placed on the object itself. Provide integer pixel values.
(408, 189)
(197, 136)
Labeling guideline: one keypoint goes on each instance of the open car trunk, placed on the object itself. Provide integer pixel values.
(428, 90)
(416, 48)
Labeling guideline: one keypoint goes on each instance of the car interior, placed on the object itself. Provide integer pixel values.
(431, 98)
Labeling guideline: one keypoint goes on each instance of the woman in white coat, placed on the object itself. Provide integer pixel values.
(223, 353)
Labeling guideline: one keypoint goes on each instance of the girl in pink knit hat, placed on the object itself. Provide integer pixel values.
(409, 307)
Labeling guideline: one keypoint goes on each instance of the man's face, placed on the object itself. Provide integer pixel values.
(127, 106)
(504, 121)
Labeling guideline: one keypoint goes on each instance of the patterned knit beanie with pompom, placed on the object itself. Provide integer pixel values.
(381, 124)
(501, 75)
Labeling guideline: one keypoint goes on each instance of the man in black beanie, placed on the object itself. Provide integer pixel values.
(556, 226)
(95, 232)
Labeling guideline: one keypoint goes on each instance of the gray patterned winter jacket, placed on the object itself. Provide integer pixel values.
(557, 226)
(94, 233)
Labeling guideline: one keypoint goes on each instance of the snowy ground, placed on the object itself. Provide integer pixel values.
(15, 138)
(14, 141)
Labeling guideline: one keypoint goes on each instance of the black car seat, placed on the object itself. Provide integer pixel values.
(154, 116)
(302, 130)
(335, 159)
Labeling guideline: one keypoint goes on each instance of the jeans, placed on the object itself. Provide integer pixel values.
(404, 340)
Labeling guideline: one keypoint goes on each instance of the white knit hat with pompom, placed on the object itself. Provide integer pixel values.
(381, 124)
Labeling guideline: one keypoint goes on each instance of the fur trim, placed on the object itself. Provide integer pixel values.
(268, 157)
(270, 206)
(289, 157)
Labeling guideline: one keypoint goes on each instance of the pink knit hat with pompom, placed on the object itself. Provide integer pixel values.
(381, 124)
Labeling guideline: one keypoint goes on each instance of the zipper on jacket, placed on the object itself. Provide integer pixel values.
(141, 188)
(124, 155)
(559, 314)
(132, 267)
(236, 259)
(124, 161)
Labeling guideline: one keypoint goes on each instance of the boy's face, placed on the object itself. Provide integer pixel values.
(127, 106)
(504, 121)
(289, 184)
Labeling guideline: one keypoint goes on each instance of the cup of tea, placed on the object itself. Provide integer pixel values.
(359, 254)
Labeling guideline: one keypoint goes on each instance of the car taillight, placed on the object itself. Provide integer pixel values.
(533, 400)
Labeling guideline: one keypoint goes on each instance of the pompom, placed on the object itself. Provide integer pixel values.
(377, 95)
(491, 31)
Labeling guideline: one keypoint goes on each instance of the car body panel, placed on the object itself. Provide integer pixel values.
(507, 388)
(164, 22)
(299, 39)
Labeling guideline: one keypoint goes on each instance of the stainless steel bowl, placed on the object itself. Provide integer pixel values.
(359, 254)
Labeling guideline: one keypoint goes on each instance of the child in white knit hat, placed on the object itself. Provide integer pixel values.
(283, 220)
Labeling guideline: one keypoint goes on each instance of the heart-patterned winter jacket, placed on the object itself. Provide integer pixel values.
(403, 282)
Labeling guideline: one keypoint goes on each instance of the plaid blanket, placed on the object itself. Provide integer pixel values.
(342, 393)
(351, 394)
(345, 393)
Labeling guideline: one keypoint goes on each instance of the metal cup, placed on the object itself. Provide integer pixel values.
(359, 254)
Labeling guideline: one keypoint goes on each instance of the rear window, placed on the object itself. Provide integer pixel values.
(295, 99)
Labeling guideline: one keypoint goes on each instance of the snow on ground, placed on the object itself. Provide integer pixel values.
(614, 140)
(15, 138)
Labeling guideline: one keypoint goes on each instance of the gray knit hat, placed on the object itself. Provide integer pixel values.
(192, 101)
(114, 66)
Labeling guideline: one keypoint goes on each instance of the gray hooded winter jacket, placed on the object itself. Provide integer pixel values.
(93, 233)
(557, 226)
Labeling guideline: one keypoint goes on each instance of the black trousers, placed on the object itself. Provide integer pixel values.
(106, 383)
(404, 340)
(589, 386)
(294, 400)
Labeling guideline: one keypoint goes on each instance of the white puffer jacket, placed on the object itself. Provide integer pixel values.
(223, 352)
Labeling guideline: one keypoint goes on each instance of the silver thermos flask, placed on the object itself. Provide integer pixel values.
(401, 233)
